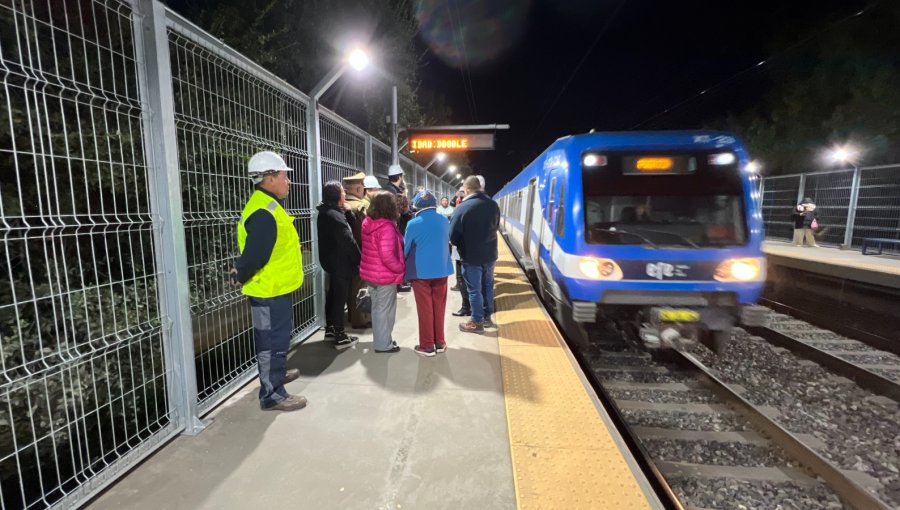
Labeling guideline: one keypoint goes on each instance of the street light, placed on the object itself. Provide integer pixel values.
(439, 157)
(450, 169)
(357, 59)
(843, 154)
(753, 167)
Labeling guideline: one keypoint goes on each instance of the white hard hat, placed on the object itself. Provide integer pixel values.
(395, 170)
(266, 161)
(371, 182)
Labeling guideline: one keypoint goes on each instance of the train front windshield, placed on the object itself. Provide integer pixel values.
(692, 200)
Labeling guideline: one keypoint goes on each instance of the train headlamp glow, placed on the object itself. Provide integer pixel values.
(599, 269)
(740, 270)
(725, 158)
(591, 159)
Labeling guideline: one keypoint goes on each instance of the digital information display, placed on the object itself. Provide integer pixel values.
(420, 142)
(634, 165)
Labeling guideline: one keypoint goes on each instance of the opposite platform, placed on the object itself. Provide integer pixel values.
(882, 270)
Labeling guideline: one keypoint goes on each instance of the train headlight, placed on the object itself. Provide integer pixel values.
(599, 269)
(724, 158)
(591, 159)
(740, 270)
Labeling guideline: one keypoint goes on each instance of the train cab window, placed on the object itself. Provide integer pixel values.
(701, 208)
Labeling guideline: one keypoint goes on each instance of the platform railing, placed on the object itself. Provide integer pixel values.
(124, 136)
(853, 204)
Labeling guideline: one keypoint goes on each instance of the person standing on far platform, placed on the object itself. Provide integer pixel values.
(268, 271)
(805, 223)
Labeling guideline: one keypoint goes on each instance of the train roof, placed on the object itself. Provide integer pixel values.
(623, 140)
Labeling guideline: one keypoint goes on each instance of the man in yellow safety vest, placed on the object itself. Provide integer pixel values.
(269, 269)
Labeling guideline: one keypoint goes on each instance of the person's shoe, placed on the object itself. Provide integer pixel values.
(291, 375)
(291, 403)
(394, 348)
(329, 333)
(462, 312)
(488, 323)
(439, 348)
(344, 341)
(423, 352)
(472, 327)
(454, 288)
(404, 288)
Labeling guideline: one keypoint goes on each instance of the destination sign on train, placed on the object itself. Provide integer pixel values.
(420, 142)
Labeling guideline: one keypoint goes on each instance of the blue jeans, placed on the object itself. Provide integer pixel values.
(272, 325)
(480, 284)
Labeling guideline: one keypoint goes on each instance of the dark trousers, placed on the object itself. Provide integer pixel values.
(431, 304)
(463, 290)
(335, 299)
(272, 326)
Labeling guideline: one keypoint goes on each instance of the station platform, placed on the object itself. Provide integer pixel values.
(880, 270)
(501, 420)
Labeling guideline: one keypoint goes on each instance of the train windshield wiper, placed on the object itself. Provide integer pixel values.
(627, 233)
(685, 240)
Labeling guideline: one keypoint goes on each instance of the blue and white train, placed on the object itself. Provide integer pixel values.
(659, 231)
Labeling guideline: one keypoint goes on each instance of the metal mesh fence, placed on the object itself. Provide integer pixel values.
(877, 211)
(225, 113)
(83, 388)
(878, 206)
(381, 162)
(778, 199)
(343, 148)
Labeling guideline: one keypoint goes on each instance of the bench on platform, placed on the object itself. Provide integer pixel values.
(878, 241)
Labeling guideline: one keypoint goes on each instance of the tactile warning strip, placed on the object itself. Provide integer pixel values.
(563, 456)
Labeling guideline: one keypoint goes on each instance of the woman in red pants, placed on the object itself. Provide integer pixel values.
(427, 268)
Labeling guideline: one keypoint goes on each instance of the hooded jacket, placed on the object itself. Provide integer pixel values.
(425, 247)
(338, 251)
(473, 229)
(382, 252)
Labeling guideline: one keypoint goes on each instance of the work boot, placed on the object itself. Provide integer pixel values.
(472, 327)
(488, 323)
(291, 403)
(291, 375)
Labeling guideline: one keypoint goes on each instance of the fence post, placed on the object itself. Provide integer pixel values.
(314, 168)
(161, 147)
(801, 188)
(370, 164)
(851, 209)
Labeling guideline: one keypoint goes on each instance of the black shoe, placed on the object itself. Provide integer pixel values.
(344, 341)
(404, 288)
(462, 312)
(439, 348)
(329, 332)
(422, 352)
(454, 288)
(394, 348)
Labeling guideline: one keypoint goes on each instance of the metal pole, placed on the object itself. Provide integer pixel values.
(801, 189)
(395, 154)
(851, 209)
(161, 146)
(370, 163)
(314, 168)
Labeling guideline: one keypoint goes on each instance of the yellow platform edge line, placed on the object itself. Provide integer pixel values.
(541, 479)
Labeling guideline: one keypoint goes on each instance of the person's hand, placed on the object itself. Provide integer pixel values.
(232, 275)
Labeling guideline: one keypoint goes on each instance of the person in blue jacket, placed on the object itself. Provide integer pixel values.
(427, 268)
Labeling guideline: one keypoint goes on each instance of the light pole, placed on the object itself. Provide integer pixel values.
(358, 60)
(450, 169)
(843, 155)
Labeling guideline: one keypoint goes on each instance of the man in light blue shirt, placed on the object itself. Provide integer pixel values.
(444, 209)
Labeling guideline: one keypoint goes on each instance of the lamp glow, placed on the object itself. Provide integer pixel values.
(358, 59)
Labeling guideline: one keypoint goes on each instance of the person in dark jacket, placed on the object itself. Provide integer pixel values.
(406, 214)
(473, 230)
(339, 256)
(804, 215)
(395, 180)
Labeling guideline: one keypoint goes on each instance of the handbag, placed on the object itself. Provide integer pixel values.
(814, 225)
(364, 301)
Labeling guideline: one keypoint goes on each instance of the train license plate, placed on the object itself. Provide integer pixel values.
(679, 316)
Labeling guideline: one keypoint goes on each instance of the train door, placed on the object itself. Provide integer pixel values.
(529, 217)
(546, 233)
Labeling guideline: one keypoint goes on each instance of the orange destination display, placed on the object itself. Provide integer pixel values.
(421, 142)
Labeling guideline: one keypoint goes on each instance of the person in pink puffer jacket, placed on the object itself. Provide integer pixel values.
(382, 266)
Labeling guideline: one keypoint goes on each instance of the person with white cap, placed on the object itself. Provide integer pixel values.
(396, 183)
(268, 271)
(355, 205)
(372, 187)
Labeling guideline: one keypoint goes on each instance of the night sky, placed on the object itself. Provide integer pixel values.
(637, 58)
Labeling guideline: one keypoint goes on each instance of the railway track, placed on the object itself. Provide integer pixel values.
(712, 442)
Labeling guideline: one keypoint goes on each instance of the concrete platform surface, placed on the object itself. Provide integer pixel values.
(381, 431)
(851, 264)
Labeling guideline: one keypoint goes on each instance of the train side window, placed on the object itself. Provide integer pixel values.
(560, 211)
(550, 200)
